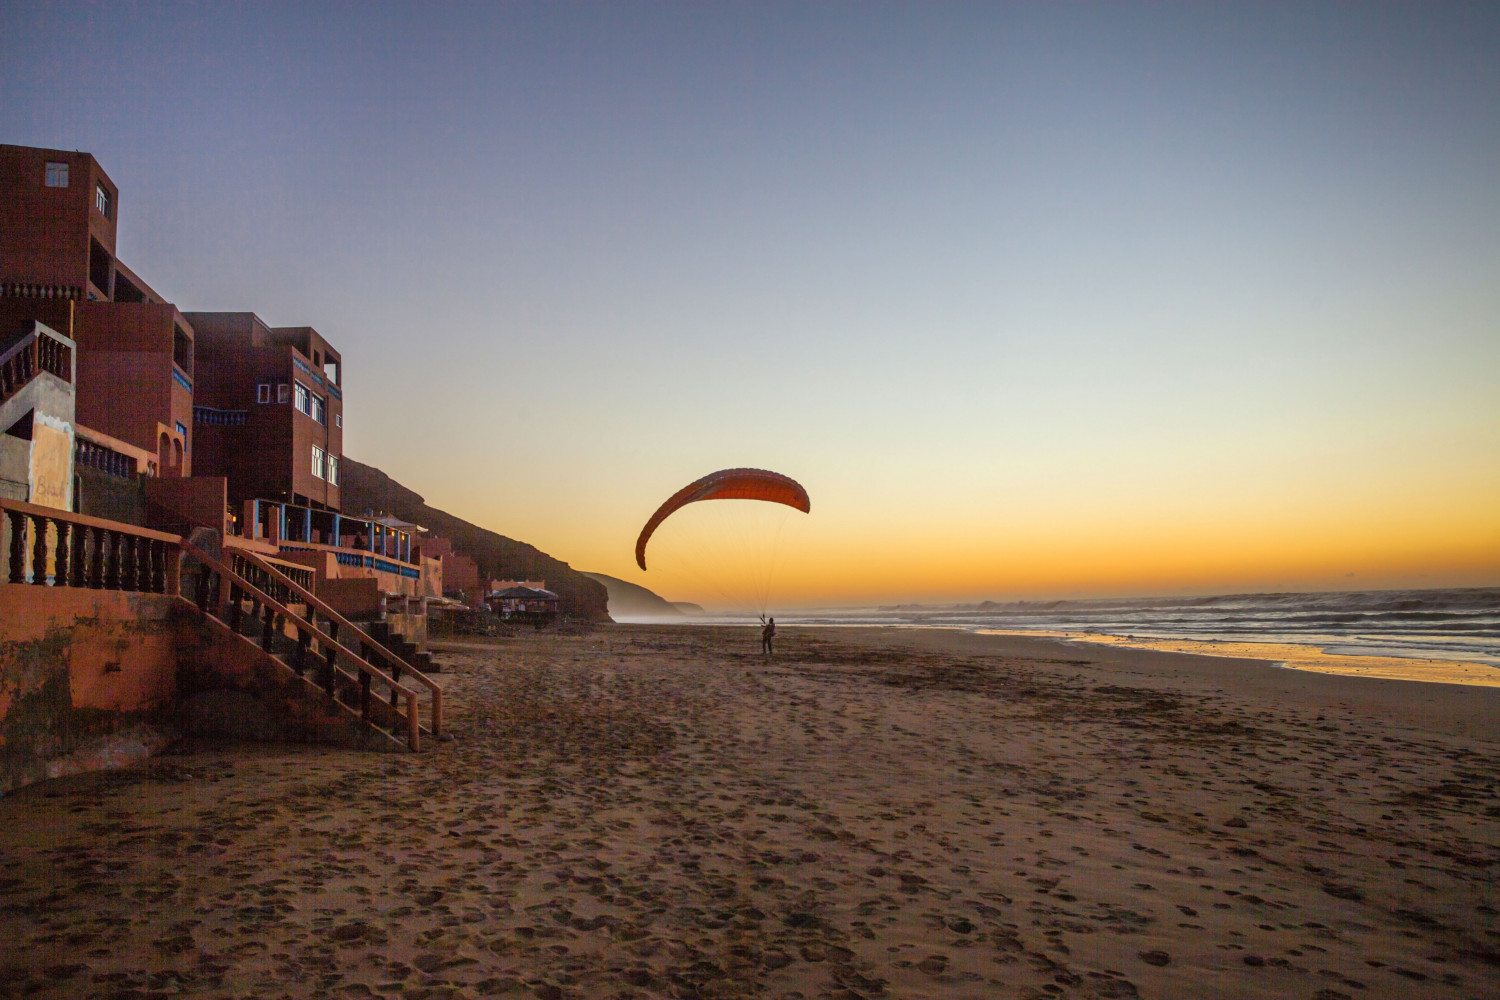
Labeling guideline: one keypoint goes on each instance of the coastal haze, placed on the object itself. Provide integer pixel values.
(1037, 302)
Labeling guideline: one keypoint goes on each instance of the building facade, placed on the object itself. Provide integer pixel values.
(171, 419)
(59, 212)
(269, 410)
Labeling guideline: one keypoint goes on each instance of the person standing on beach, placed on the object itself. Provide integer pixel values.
(767, 633)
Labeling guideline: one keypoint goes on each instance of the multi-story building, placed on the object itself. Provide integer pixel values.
(249, 415)
(59, 212)
(269, 410)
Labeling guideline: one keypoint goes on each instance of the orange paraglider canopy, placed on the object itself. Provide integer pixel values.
(727, 484)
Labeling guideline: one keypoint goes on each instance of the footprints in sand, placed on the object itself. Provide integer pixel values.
(657, 813)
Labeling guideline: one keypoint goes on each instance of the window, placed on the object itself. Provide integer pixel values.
(303, 400)
(317, 462)
(264, 392)
(283, 392)
(57, 175)
(182, 428)
(333, 470)
(101, 200)
(338, 420)
(319, 410)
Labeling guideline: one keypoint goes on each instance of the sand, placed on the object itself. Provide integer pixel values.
(655, 812)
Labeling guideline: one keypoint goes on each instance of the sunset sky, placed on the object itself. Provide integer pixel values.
(1035, 300)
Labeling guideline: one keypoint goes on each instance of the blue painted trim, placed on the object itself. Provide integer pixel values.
(371, 562)
(333, 391)
(398, 569)
(306, 368)
(181, 379)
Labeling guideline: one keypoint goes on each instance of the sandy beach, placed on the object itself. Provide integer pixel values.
(656, 812)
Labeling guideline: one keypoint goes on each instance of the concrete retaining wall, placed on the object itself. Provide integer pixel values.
(87, 680)
(96, 679)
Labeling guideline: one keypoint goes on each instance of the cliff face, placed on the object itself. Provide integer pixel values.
(365, 487)
(629, 600)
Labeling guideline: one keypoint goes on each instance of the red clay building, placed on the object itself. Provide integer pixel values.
(59, 214)
(269, 413)
(460, 573)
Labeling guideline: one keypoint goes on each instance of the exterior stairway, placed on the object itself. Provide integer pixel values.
(312, 642)
(254, 643)
(381, 633)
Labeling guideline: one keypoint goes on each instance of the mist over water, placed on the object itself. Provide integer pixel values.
(1429, 624)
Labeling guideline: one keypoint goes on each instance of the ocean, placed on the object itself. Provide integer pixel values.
(1422, 624)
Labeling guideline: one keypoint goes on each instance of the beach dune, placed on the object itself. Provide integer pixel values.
(658, 812)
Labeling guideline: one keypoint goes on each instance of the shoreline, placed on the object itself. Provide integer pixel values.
(1311, 657)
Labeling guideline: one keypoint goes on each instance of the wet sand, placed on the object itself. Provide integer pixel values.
(655, 812)
(1299, 656)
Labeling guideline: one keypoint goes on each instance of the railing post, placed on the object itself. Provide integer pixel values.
(112, 569)
(79, 564)
(364, 695)
(202, 588)
(140, 554)
(158, 570)
(234, 606)
(96, 560)
(303, 638)
(333, 652)
(172, 571)
(60, 559)
(39, 551)
(17, 546)
(266, 628)
(130, 562)
(413, 724)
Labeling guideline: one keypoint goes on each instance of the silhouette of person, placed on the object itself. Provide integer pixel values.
(767, 633)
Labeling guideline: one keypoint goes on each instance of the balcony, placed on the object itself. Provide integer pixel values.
(39, 351)
(211, 417)
(336, 545)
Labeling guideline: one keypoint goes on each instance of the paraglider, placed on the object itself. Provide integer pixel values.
(727, 484)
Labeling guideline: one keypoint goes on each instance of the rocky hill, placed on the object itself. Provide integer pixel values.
(366, 488)
(629, 600)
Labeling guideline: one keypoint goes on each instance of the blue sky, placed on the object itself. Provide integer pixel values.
(996, 282)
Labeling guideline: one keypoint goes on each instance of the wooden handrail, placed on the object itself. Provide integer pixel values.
(391, 658)
(58, 514)
(413, 723)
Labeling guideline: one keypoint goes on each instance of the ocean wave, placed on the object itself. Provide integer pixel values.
(1441, 624)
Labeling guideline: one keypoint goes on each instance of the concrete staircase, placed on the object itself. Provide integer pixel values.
(302, 644)
(233, 683)
(397, 644)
